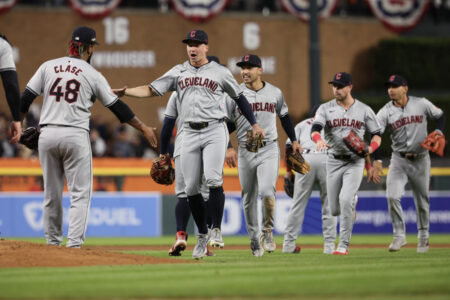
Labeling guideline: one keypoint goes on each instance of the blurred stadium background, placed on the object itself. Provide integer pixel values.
(140, 40)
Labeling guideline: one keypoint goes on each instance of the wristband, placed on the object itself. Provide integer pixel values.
(316, 138)
(374, 145)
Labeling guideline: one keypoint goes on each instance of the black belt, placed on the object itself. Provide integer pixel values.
(409, 155)
(268, 142)
(342, 157)
(201, 125)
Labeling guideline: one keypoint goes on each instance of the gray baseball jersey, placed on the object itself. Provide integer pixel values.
(6, 57)
(408, 129)
(69, 87)
(258, 172)
(201, 94)
(303, 187)
(344, 168)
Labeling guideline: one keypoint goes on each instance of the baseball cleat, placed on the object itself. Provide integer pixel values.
(340, 251)
(297, 250)
(179, 245)
(201, 248)
(267, 241)
(397, 243)
(215, 239)
(257, 250)
(328, 249)
(423, 245)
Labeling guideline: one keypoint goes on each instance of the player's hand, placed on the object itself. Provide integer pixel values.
(296, 147)
(15, 131)
(375, 172)
(258, 131)
(321, 145)
(231, 158)
(119, 92)
(149, 134)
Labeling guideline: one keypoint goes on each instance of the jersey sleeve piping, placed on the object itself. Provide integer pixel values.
(153, 88)
(112, 103)
(32, 91)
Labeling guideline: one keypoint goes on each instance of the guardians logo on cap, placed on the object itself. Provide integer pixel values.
(342, 78)
(396, 80)
(197, 36)
(251, 60)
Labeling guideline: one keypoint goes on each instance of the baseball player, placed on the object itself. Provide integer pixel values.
(69, 86)
(344, 168)
(405, 117)
(11, 86)
(303, 185)
(258, 172)
(200, 86)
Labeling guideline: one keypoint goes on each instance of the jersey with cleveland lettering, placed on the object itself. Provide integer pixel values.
(200, 90)
(408, 125)
(172, 111)
(267, 103)
(338, 122)
(303, 135)
(6, 57)
(69, 86)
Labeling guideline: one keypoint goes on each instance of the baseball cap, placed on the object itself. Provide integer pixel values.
(396, 80)
(85, 35)
(250, 60)
(342, 78)
(196, 35)
(213, 58)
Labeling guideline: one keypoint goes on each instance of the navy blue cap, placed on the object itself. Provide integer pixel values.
(342, 78)
(250, 60)
(396, 80)
(85, 35)
(213, 58)
(196, 35)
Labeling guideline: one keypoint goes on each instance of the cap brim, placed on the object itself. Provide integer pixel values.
(388, 83)
(193, 40)
(242, 64)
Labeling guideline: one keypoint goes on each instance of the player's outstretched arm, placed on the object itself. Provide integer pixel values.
(143, 91)
(147, 132)
(290, 131)
(231, 156)
(375, 172)
(15, 131)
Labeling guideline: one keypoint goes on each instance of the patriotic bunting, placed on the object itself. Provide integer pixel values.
(199, 10)
(399, 15)
(94, 9)
(5, 5)
(300, 8)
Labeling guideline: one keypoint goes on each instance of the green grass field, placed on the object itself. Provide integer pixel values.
(367, 273)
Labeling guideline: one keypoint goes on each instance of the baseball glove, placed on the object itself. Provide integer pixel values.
(30, 138)
(435, 142)
(289, 186)
(296, 162)
(162, 171)
(253, 143)
(356, 144)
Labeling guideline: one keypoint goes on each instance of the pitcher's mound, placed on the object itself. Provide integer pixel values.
(26, 254)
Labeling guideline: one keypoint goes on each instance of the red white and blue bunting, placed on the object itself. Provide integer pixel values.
(5, 5)
(300, 8)
(199, 10)
(94, 9)
(399, 15)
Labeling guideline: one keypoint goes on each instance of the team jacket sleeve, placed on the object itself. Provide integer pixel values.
(103, 91)
(372, 122)
(282, 108)
(431, 110)
(229, 84)
(12, 93)
(6, 58)
(320, 117)
(167, 82)
(171, 107)
(382, 118)
(36, 83)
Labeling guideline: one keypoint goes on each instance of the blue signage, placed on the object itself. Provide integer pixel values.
(118, 214)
